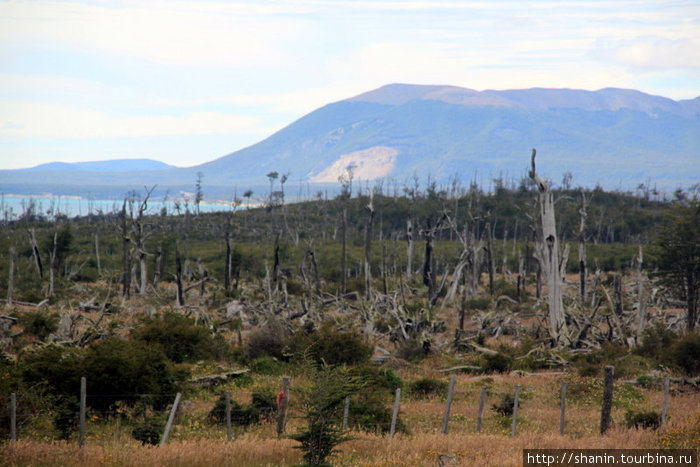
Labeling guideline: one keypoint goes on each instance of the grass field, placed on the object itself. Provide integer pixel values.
(195, 442)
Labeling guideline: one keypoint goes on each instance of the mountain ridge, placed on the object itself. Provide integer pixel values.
(616, 138)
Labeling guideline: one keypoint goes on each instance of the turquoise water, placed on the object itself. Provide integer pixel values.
(13, 207)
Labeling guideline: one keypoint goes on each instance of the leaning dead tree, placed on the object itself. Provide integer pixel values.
(548, 255)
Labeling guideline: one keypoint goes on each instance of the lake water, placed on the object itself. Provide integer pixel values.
(13, 206)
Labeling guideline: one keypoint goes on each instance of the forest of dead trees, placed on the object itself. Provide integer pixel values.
(526, 277)
(581, 262)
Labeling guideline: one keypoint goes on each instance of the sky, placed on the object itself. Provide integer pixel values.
(186, 82)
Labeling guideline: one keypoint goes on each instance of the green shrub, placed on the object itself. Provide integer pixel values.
(119, 370)
(497, 363)
(265, 404)
(378, 379)
(267, 341)
(411, 350)
(240, 415)
(39, 323)
(372, 414)
(331, 347)
(427, 387)
(643, 420)
(266, 366)
(65, 415)
(478, 303)
(505, 406)
(149, 430)
(181, 339)
(685, 354)
(656, 340)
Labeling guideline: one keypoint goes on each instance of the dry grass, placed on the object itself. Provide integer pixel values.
(196, 443)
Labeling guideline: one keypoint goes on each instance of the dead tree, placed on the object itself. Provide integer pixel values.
(368, 246)
(227, 264)
(126, 254)
(409, 248)
(178, 277)
(548, 255)
(489, 256)
(159, 261)
(11, 277)
(54, 264)
(642, 308)
(35, 252)
(97, 255)
(344, 253)
(139, 240)
(582, 269)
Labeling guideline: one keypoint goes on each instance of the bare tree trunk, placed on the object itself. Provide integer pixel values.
(368, 247)
(178, 277)
(384, 283)
(11, 278)
(344, 254)
(409, 249)
(203, 277)
(126, 255)
(582, 271)
(640, 297)
(617, 285)
(489, 257)
(54, 265)
(317, 275)
(428, 273)
(97, 255)
(35, 252)
(156, 272)
(227, 264)
(549, 255)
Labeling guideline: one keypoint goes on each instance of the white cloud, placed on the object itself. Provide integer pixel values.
(45, 120)
(178, 33)
(652, 53)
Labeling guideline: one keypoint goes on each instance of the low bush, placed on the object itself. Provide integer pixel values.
(267, 341)
(685, 354)
(643, 420)
(427, 387)
(181, 339)
(39, 323)
(497, 363)
(505, 406)
(149, 430)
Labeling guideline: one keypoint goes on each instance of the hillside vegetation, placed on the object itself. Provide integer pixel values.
(355, 296)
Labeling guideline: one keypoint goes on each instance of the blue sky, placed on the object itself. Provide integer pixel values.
(186, 82)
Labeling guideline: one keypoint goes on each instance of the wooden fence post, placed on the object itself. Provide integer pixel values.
(479, 417)
(346, 411)
(665, 404)
(562, 416)
(171, 418)
(392, 430)
(515, 410)
(283, 405)
(83, 397)
(13, 418)
(228, 415)
(450, 392)
(607, 399)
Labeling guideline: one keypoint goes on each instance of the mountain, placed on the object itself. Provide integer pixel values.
(617, 138)
(613, 137)
(113, 165)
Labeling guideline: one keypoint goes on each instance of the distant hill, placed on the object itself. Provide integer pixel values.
(113, 165)
(617, 138)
